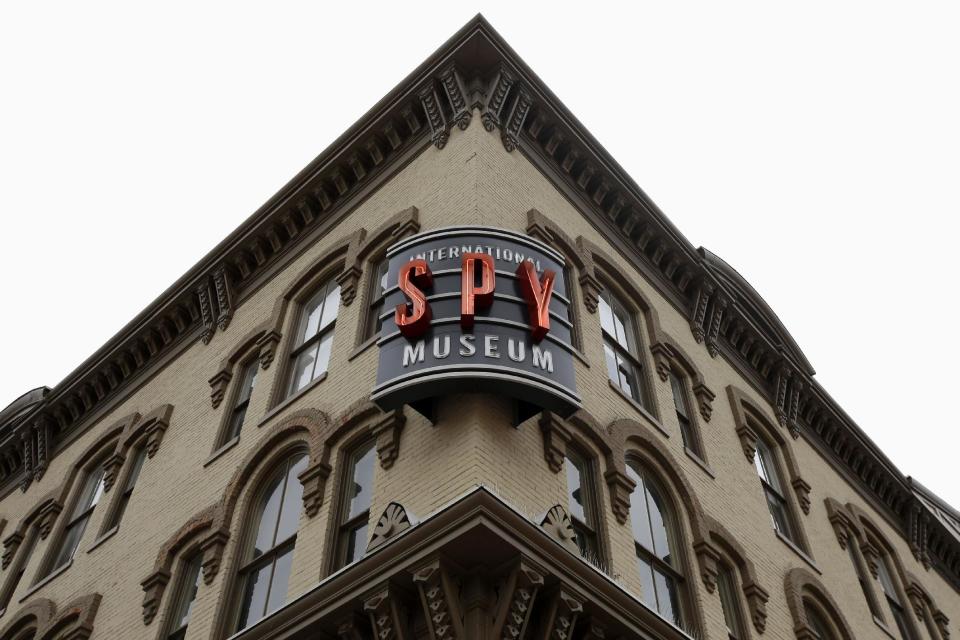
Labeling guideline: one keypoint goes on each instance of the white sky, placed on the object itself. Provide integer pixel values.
(814, 146)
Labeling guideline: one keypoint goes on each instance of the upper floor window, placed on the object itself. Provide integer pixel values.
(861, 577)
(893, 598)
(770, 479)
(265, 573)
(90, 494)
(817, 623)
(582, 504)
(730, 603)
(239, 412)
(624, 366)
(314, 337)
(655, 542)
(19, 567)
(140, 454)
(185, 597)
(681, 403)
(375, 298)
(355, 505)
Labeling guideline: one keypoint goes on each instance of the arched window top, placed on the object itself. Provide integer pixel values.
(821, 629)
(280, 503)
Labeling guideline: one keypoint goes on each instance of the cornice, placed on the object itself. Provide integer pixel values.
(475, 73)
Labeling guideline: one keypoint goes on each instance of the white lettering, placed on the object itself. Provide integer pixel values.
(490, 346)
(518, 257)
(437, 353)
(454, 252)
(507, 255)
(441, 254)
(467, 348)
(542, 359)
(432, 251)
(413, 354)
(516, 349)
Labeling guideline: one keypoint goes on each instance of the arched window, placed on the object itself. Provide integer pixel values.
(130, 481)
(655, 543)
(817, 623)
(313, 339)
(269, 556)
(892, 595)
(582, 503)
(730, 603)
(91, 490)
(768, 468)
(354, 512)
(685, 417)
(853, 550)
(376, 291)
(19, 566)
(620, 346)
(184, 598)
(241, 401)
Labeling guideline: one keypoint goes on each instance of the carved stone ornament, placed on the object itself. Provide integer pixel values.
(555, 439)
(591, 288)
(593, 631)
(716, 318)
(353, 627)
(155, 433)
(517, 597)
(757, 598)
(842, 525)
(496, 97)
(802, 489)
(387, 433)
(943, 623)
(916, 596)
(748, 440)
(212, 554)
(221, 285)
(314, 480)
(440, 132)
(662, 356)
(10, 545)
(47, 516)
(708, 558)
(153, 587)
(349, 280)
(705, 399)
(440, 601)
(621, 487)
(871, 556)
(218, 387)
(392, 522)
(561, 615)
(388, 617)
(267, 348)
(456, 95)
(111, 470)
(206, 313)
(704, 292)
(557, 524)
(510, 134)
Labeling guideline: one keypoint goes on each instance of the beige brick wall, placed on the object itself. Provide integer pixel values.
(472, 181)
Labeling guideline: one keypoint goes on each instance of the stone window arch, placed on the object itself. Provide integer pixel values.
(816, 615)
(19, 547)
(42, 619)
(785, 492)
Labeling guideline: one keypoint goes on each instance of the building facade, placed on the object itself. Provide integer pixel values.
(223, 467)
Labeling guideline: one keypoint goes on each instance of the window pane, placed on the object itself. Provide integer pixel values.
(886, 582)
(667, 597)
(254, 596)
(606, 317)
(679, 396)
(302, 372)
(639, 517)
(648, 592)
(190, 584)
(248, 381)
(268, 516)
(330, 307)
(586, 541)
(323, 356)
(71, 540)
(622, 324)
(686, 434)
(92, 490)
(139, 457)
(661, 538)
(575, 490)
(778, 511)
(612, 370)
(361, 492)
(766, 466)
(628, 377)
(310, 318)
(236, 422)
(280, 581)
(292, 500)
(356, 543)
(728, 601)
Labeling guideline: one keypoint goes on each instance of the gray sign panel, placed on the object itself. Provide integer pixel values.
(498, 354)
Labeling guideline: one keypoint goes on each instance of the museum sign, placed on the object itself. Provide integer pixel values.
(476, 309)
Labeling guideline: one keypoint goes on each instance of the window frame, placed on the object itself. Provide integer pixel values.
(732, 607)
(13, 575)
(689, 425)
(614, 301)
(192, 565)
(373, 301)
(899, 612)
(296, 347)
(586, 469)
(345, 525)
(82, 484)
(136, 458)
(240, 399)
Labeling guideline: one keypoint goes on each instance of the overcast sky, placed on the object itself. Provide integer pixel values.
(814, 146)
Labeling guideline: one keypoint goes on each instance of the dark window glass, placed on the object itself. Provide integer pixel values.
(730, 603)
(571, 309)
(766, 464)
(89, 497)
(580, 503)
(893, 599)
(817, 624)
(239, 413)
(138, 458)
(186, 596)
(861, 578)
(659, 568)
(355, 505)
(378, 287)
(267, 572)
(314, 337)
(624, 367)
(690, 440)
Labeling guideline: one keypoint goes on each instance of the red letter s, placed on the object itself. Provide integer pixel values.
(413, 276)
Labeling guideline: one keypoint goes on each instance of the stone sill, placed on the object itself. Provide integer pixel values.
(226, 446)
(797, 550)
(286, 402)
(47, 580)
(639, 407)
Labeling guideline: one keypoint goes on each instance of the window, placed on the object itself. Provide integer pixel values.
(138, 457)
(767, 469)
(378, 289)
(186, 596)
(620, 347)
(861, 577)
(817, 623)
(568, 279)
(266, 572)
(730, 603)
(893, 599)
(239, 412)
(355, 506)
(87, 500)
(582, 502)
(19, 568)
(314, 337)
(654, 542)
(687, 432)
